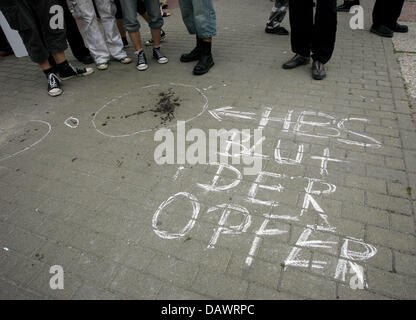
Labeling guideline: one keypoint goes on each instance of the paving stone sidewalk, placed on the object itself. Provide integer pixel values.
(331, 215)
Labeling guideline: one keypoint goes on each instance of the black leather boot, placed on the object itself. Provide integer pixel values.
(205, 62)
(195, 54)
(347, 5)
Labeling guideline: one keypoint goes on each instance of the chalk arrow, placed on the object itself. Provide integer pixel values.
(228, 112)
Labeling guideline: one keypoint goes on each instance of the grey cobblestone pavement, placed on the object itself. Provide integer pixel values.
(85, 198)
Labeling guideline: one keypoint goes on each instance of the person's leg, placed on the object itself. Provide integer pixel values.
(85, 12)
(74, 37)
(324, 36)
(119, 19)
(131, 24)
(54, 35)
(23, 18)
(395, 12)
(301, 23)
(385, 16)
(155, 19)
(155, 24)
(204, 22)
(107, 10)
(324, 30)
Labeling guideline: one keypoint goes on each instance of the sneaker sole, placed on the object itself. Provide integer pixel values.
(163, 62)
(142, 68)
(126, 62)
(55, 94)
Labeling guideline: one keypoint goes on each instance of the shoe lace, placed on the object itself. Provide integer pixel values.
(142, 58)
(157, 53)
(52, 80)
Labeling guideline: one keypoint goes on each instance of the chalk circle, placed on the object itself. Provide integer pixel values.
(132, 112)
(72, 122)
(14, 143)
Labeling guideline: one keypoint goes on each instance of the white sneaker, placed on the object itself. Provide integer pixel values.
(125, 60)
(102, 66)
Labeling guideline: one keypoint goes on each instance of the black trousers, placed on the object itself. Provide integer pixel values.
(75, 40)
(34, 22)
(387, 12)
(308, 35)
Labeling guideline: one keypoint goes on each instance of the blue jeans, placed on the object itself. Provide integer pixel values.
(131, 23)
(199, 17)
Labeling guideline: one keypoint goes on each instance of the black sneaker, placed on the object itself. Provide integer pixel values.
(54, 88)
(157, 54)
(141, 61)
(150, 42)
(69, 71)
(382, 31)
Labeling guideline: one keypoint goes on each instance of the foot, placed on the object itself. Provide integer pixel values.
(54, 87)
(125, 42)
(125, 60)
(69, 72)
(296, 61)
(318, 70)
(382, 31)
(401, 28)
(205, 62)
(86, 59)
(102, 66)
(141, 61)
(278, 30)
(195, 54)
(347, 5)
(150, 42)
(157, 54)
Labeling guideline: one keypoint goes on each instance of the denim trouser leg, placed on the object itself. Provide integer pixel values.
(130, 21)
(199, 17)
(153, 11)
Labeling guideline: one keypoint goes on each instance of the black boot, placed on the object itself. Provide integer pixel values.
(347, 5)
(205, 62)
(195, 54)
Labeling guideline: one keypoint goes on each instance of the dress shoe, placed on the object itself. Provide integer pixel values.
(318, 70)
(382, 31)
(296, 61)
(401, 28)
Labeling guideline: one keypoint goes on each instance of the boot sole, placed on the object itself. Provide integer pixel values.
(200, 73)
